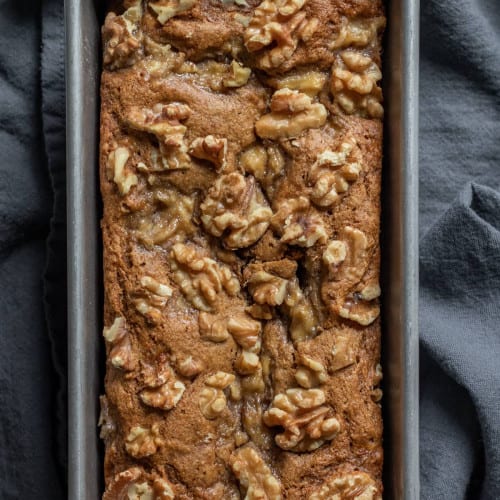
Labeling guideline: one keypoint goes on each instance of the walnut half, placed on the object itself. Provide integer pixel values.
(292, 112)
(354, 85)
(142, 442)
(236, 210)
(212, 401)
(332, 173)
(200, 278)
(254, 475)
(298, 223)
(280, 24)
(304, 418)
(354, 485)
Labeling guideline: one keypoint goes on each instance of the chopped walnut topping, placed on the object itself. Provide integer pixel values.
(267, 288)
(164, 390)
(354, 85)
(122, 38)
(292, 112)
(236, 209)
(106, 423)
(298, 224)
(142, 442)
(211, 149)
(166, 9)
(266, 164)
(172, 221)
(356, 485)
(136, 484)
(254, 476)
(362, 306)
(164, 121)
(310, 83)
(359, 33)
(120, 353)
(238, 76)
(280, 24)
(332, 173)
(247, 363)
(123, 178)
(310, 373)
(200, 278)
(304, 417)
(212, 400)
(343, 352)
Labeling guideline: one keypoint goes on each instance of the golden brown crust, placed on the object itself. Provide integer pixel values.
(240, 167)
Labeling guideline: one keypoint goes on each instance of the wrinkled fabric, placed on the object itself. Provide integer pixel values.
(460, 249)
(28, 454)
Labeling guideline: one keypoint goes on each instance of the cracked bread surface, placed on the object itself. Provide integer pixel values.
(240, 168)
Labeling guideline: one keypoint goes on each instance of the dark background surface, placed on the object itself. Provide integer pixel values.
(460, 250)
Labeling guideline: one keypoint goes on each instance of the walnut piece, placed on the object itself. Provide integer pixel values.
(212, 327)
(254, 475)
(166, 9)
(292, 112)
(189, 367)
(120, 354)
(354, 85)
(136, 484)
(212, 401)
(151, 298)
(377, 392)
(359, 33)
(347, 259)
(143, 442)
(236, 210)
(266, 164)
(122, 38)
(310, 82)
(161, 60)
(164, 390)
(200, 278)
(362, 306)
(343, 352)
(280, 24)
(123, 178)
(303, 319)
(298, 224)
(332, 173)
(304, 418)
(238, 76)
(164, 121)
(310, 373)
(267, 288)
(354, 485)
(211, 149)
(170, 222)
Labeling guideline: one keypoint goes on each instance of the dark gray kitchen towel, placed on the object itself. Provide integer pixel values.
(460, 249)
(28, 463)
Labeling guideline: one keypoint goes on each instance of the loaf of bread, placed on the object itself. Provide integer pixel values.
(240, 167)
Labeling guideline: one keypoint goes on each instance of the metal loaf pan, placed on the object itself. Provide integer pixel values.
(399, 244)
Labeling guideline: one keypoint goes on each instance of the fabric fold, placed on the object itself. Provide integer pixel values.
(460, 335)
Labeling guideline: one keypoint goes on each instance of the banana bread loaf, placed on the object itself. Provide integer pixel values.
(240, 167)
